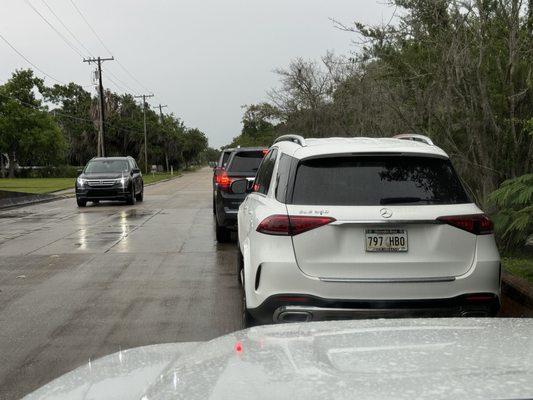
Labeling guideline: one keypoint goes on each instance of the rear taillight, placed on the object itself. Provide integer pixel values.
(223, 180)
(478, 224)
(285, 225)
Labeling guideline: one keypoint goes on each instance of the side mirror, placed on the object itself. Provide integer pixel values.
(79, 171)
(136, 171)
(240, 186)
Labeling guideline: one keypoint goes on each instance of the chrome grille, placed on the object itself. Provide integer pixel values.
(101, 182)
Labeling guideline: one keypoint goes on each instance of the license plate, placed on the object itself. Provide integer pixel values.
(386, 240)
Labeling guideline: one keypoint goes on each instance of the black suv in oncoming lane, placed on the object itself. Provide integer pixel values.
(241, 163)
(110, 178)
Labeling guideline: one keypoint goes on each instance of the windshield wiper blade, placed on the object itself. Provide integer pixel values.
(401, 200)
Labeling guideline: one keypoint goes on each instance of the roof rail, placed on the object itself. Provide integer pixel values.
(291, 138)
(414, 137)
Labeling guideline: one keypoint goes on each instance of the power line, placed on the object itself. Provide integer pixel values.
(28, 61)
(69, 44)
(132, 77)
(120, 81)
(122, 66)
(123, 85)
(90, 27)
(67, 28)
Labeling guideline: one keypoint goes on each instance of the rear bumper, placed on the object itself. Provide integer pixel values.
(227, 208)
(298, 308)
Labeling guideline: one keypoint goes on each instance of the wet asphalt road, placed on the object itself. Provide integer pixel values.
(77, 284)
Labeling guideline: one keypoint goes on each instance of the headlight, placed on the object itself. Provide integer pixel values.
(81, 181)
(123, 181)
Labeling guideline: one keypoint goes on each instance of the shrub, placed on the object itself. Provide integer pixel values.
(514, 219)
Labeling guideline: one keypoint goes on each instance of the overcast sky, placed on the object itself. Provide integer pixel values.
(204, 58)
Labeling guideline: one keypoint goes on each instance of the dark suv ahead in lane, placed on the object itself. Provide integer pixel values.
(110, 178)
(241, 163)
(219, 169)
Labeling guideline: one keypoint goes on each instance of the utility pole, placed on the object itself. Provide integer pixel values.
(161, 111)
(100, 150)
(161, 121)
(144, 96)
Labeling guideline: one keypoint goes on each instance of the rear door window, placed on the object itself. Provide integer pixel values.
(377, 180)
(224, 159)
(282, 177)
(246, 161)
(264, 175)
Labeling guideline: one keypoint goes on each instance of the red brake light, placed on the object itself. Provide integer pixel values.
(223, 180)
(284, 225)
(478, 224)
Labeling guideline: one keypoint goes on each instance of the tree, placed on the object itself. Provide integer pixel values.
(194, 143)
(77, 119)
(28, 133)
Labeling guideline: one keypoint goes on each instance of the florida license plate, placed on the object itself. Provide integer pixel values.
(386, 240)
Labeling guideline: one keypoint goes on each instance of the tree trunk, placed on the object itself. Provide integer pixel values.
(166, 161)
(3, 160)
(12, 162)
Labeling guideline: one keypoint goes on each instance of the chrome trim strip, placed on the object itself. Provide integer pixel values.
(388, 222)
(390, 280)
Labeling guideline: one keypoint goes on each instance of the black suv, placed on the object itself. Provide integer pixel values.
(110, 178)
(241, 163)
(218, 169)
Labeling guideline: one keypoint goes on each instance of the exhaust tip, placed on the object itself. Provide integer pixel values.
(295, 316)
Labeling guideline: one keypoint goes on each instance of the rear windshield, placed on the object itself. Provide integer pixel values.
(246, 161)
(377, 180)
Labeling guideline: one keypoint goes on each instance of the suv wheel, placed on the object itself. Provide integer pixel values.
(214, 206)
(140, 196)
(131, 197)
(223, 234)
(81, 203)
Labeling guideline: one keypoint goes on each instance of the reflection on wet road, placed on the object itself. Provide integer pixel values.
(77, 284)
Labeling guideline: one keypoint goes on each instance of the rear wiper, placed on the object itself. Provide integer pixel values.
(400, 200)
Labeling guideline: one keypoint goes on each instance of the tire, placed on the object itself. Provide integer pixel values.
(214, 206)
(131, 197)
(140, 196)
(222, 233)
(81, 203)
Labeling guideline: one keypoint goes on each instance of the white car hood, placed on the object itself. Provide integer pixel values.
(368, 359)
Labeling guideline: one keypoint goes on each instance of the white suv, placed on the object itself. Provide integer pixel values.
(357, 227)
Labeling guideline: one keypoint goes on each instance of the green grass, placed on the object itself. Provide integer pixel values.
(149, 178)
(36, 185)
(48, 185)
(521, 266)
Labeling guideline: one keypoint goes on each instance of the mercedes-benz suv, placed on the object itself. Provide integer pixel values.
(357, 227)
(110, 178)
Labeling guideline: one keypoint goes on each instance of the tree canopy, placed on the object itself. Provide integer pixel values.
(42, 125)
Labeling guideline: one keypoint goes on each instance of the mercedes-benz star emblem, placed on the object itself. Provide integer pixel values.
(385, 213)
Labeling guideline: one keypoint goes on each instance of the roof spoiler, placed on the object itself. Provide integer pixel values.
(291, 138)
(414, 137)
